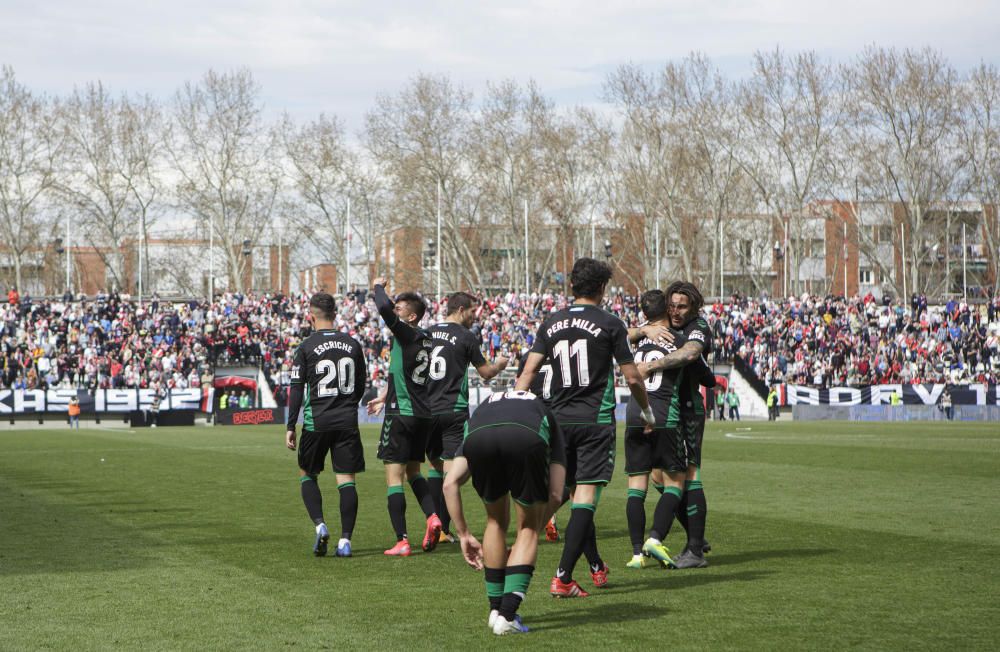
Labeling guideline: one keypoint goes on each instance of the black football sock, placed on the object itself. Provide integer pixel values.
(515, 586)
(312, 498)
(581, 518)
(697, 514)
(494, 586)
(348, 508)
(682, 511)
(635, 513)
(663, 516)
(397, 510)
(422, 492)
(435, 480)
(590, 550)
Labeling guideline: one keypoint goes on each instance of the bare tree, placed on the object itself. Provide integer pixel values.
(30, 144)
(319, 168)
(227, 161)
(653, 161)
(793, 115)
(981, 141)
(420, 140)
(111, 182)
(905, 108)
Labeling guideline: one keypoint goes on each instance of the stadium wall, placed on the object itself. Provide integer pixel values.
(893, 413)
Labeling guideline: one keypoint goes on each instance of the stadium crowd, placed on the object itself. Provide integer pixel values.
(110, 341)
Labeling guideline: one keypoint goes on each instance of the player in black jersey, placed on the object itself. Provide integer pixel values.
(541, 386)
(664, 449)
(582, 342)
(454, 349)
(327, 382)
(684, 303)
(407, 414)
(513, 448)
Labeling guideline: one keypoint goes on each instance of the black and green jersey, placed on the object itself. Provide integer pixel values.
(454, 348)
(581, 342)
(409, 362)
(660, 386)
(327, 381)
(508, 409)
(689, 388)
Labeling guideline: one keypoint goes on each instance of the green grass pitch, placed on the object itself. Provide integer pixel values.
(825, 536)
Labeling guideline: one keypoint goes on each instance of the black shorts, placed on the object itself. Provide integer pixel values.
(590, 453)
(344, 446)
(643, 452)
(510, 460)
(445, 436)
(403, 439)
(692, 430)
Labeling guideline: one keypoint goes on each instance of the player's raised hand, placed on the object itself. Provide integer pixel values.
(501, 362)
(375, 406)
(290, 440)
(472, 550)
(381, 280)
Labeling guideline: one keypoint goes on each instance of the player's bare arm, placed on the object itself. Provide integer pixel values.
(531, 368)
(491, 369)
(685, 355)
(458, 475)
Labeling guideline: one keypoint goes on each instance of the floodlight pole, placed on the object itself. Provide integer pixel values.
(965, 278)
(437, 263)
(347, 249)
(68, 278)
(527, 274)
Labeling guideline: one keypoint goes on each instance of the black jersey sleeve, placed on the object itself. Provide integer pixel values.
(401, 330)
(541, 343)
(619, 343)
(473, 351)
(360, 374)
(698, 331)
(296, 387)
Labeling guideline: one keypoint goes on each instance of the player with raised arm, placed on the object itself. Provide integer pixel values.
(327, 382)
(582, 342)
(454, 349)
(684, 303)
(513, 448)
(407, 414)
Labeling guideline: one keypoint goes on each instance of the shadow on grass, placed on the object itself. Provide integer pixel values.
(664, 579)
(728, 559)
(597, 611)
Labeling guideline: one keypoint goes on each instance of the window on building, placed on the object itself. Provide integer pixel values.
(671, 248)
(882, 233)
(865, 276)
(818, 248)
(746, 251)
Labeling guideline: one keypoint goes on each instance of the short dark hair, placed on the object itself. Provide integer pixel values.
(460, 301)
(653, 304)
(689, 290)
(325, 303)
(417, 303)
(588, 277)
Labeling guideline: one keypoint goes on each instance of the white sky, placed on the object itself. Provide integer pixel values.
(331, 56)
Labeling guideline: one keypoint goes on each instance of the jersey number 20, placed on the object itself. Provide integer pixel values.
(329, 385)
